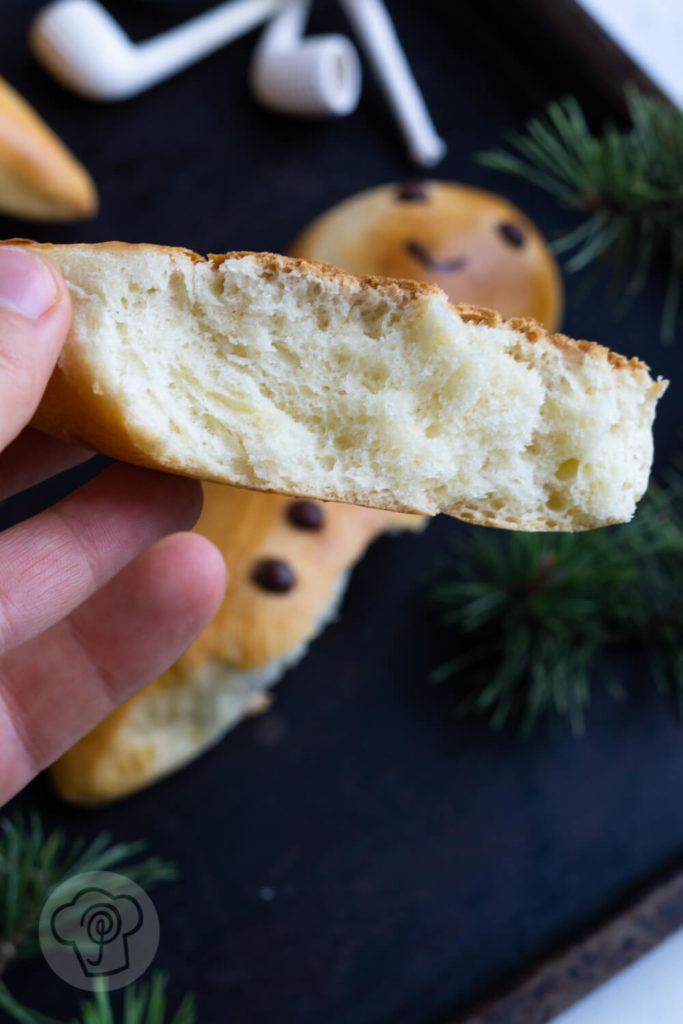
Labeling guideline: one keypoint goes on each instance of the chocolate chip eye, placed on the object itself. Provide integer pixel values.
(273, 575)
(513, 234)
(307, 515)
(412, 192)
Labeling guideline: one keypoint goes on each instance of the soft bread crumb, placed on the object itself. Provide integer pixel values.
(280, 374)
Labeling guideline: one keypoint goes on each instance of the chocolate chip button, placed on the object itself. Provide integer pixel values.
(273, 575)
(307, 515)
(412, 192)
(513, 234)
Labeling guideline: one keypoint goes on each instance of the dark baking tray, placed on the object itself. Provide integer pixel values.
(417, 862)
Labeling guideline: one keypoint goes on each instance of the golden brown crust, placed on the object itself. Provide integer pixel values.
(394, 288)
(39, 177)
(274, 264)
(529, 525)
(535, 332)
(271, 264)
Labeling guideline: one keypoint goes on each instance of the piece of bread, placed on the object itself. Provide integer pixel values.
(39, 178)
(476, 245)
(284, 375)
(256, 635)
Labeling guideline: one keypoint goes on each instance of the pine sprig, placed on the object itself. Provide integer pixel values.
(144, 1003)
(534, 612)
(628, 184)
(33, 862)
(20, 1013)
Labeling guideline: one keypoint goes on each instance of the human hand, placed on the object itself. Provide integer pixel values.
(93, 605)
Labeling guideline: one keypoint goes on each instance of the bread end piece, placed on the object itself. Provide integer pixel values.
(254, 638)
(39, 178)
(169, 724)
(284, 375)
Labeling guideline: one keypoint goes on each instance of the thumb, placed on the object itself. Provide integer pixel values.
(35, 312)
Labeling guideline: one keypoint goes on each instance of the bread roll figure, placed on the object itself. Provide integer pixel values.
(475, 245)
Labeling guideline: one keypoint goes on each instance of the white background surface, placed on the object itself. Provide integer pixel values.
(650, 991)
(651, 33)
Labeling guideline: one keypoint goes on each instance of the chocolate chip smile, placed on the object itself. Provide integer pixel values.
(423, 255)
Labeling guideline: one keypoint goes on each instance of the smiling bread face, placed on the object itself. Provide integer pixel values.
(475, 245)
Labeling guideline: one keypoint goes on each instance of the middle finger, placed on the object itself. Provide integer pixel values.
(54, 561)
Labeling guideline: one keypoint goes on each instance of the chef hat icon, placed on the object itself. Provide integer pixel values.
(97, 924)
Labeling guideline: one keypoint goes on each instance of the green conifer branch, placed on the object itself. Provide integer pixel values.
(531, 614)
(628, 185)
(142, 1003)
(33, 862)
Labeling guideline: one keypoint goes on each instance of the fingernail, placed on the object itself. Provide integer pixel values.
(26, 284)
